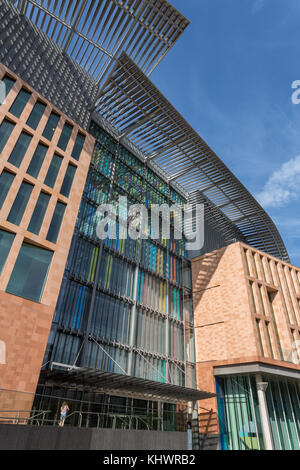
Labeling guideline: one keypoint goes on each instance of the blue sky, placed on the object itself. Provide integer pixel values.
(230, 75)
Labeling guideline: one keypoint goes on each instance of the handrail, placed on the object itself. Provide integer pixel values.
(17, 418)
(39, 417)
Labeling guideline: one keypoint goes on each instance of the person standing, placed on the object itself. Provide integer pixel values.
(63, 413)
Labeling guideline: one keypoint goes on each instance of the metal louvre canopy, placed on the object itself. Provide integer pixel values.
(95, 32)
(108, 382)
(131, 103)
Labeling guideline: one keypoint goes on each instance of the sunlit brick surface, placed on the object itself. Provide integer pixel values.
(25, 325)
(246, 310)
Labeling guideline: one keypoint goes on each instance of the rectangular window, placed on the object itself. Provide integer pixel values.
(8, 84)
(65, 136)
(37, 160)
(56, 222)
(68, 181)
(51, 126)
(19, 206)
(36, 115)
(39, 213)
(30, 272)
(6, 240)
(20, 103)
(53, 171)
(18, 153)
(6, 180)
(79, 143)
(6, 129)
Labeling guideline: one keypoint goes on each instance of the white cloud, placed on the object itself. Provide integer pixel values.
(283, 186)
(257, 6)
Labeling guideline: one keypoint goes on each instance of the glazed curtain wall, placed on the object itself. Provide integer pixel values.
(143, 285)
(283, 400)
(239, 418)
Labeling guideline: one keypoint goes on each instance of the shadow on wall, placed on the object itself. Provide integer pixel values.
(203, 271)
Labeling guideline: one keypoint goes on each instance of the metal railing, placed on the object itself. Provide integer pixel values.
(79, 419)
(14, 417)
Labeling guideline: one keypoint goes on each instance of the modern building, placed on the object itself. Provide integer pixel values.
(246, 308)
(110, 325)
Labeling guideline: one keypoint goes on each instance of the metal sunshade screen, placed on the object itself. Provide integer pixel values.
(131, 102)
(95, 32)
(112, 382)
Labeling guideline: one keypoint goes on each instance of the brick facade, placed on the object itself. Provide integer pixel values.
(25, 325)
(246, 307)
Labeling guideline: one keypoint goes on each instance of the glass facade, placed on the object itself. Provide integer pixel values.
(283, 399)
(142, 307)
(30, 272)
(107, 411)
(239, 417)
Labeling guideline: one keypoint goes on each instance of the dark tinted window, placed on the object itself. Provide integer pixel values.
(8, 83)
(68, 181)
(56, 222)
(20, 103)
(20, 149)
(65, 136)
(20, 203)
(6, 129)
(6, 240)
(36, 115)
(6, 180)
(30, 272)
(51, 126)
(53, 171)
(79, 143)
(37, 160)
(39, 213)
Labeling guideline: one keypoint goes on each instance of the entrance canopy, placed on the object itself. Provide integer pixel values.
(107, 382)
